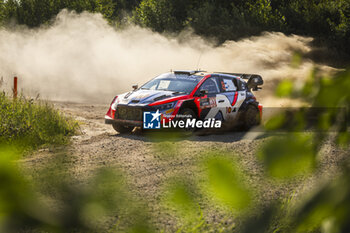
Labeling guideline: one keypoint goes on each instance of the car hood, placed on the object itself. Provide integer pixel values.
(145, 97)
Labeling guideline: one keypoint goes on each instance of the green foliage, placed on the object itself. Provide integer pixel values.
(157, 14)
(32, 124)
(264, 15)
(76, 208)
(288, 156)
(210, 19)
(331, 92)
(328, 209)
(180, 195)
(284, 88)
(226, 183)
(18, 204)
(2, 11)
(36, 12)
(296, 154)
(107, 8)
(327, 20)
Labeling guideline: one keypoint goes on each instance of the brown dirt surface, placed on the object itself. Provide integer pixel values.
(148, 163)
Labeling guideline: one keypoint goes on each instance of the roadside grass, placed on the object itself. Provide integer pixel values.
(29, 123)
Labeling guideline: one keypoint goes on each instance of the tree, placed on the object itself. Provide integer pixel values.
(2, 11)
(108, 8)
(158, 15)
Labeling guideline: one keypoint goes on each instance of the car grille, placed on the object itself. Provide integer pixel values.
(128, 113)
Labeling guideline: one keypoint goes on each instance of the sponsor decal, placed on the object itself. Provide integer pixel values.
(228, 84)
(230, 110)
(208, 102)
(169, 111)
(186, 77)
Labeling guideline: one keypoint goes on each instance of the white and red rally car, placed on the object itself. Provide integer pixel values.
(225, 97)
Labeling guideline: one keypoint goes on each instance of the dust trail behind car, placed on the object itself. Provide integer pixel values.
(82, 58)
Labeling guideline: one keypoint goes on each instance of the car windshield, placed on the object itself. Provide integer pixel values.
(172, 82)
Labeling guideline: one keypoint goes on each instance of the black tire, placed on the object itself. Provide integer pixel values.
(251, 117)
(121, 128)
(192, 114)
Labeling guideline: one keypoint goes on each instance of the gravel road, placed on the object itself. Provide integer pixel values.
(147, 163)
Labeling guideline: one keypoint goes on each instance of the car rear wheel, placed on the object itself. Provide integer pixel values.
(251, 117)
(121, 128)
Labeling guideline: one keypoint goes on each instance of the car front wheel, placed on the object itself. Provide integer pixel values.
(190, 114)
(121, 128)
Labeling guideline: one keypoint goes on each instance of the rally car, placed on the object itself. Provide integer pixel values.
(225, 97)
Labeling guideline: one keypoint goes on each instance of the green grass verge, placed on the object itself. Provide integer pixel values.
(31, 124)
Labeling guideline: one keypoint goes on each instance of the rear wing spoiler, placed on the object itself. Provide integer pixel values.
(254, 80)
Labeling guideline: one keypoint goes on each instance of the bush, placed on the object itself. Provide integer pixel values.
(34, 13)
(32, 123)
(2, 11)
(76, 208)
(327, 20)
(158, 15)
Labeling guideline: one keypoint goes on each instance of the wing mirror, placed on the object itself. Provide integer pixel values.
(254, 82)
(135, 87)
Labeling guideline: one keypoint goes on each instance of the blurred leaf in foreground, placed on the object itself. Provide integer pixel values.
(181, 196)
(288, 155)
(297, 60)
(328, 209)
(285, 88)
(226, 183)
(275, 122)
(19, 205)
(62, 203)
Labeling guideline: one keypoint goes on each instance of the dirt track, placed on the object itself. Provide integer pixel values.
(147, 167)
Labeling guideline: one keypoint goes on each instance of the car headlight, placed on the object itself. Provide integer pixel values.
(165, 106)
(115, 103)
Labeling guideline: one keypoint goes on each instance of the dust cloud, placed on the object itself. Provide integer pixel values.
(80, 57)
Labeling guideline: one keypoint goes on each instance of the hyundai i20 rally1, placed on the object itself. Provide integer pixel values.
(205, 99)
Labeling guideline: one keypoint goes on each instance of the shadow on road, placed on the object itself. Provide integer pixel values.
(219, 136)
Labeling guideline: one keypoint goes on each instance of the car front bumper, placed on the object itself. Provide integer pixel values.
(135, 119)
(124, 122)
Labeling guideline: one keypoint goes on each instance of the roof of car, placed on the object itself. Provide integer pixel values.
(204, 73)
(191, 72)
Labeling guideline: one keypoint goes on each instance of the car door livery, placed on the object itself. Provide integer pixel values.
(209, 103)
(241, 94)
(234, 96)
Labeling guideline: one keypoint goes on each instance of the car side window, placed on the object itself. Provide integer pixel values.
(228, 84)
(242, 86)
(210, 85)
